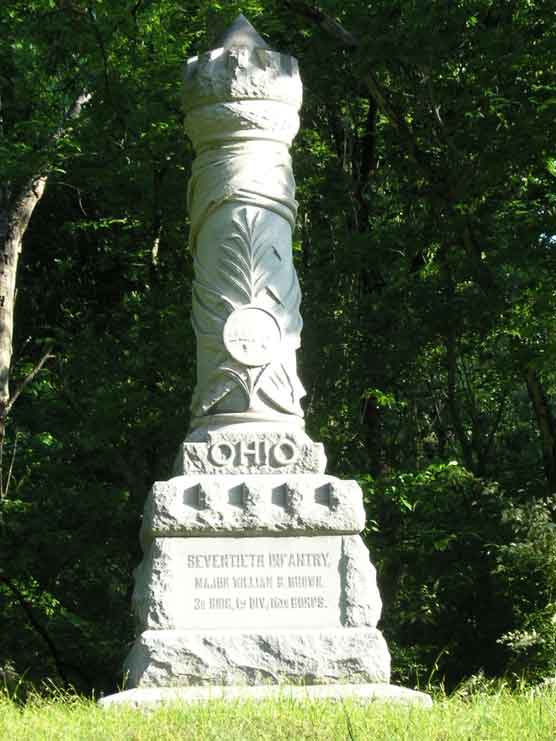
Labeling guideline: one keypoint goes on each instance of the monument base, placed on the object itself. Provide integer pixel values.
(172, 658)
(144, 697)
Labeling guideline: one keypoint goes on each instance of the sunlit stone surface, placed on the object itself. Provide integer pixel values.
(254, 572)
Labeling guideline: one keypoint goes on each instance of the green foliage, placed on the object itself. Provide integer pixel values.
(527, 567)
(434, 550)
(467, 575)
(425, 251)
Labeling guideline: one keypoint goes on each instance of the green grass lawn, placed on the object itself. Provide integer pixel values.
(499, 715)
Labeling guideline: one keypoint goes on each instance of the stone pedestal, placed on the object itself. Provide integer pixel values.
(255, 578)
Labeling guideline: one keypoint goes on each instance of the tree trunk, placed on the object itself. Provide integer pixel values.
(13, 224)
(453, 404)
(546, 425)
(15, 215)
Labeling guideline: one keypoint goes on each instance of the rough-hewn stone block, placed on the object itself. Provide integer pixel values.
(232, 657)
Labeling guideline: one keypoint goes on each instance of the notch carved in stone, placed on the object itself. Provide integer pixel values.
(334, 498)
(294, 498)
(203, 498)
(252, 496)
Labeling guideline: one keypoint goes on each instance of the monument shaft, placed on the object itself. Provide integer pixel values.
(241, 114)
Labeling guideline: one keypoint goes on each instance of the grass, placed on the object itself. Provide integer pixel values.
(502, 715)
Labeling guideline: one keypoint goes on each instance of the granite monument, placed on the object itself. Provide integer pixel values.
(254, 577)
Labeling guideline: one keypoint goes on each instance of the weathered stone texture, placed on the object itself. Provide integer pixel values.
(252, 504)
(360, 595)
(182, 658)
(294, 582)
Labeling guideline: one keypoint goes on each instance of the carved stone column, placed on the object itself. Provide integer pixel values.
(242, 103)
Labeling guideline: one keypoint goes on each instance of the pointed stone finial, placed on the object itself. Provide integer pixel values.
(242, 33)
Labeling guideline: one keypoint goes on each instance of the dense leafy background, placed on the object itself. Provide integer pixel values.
(426, 178)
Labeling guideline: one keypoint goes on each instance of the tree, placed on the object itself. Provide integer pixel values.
(27, 167)
(426, 185)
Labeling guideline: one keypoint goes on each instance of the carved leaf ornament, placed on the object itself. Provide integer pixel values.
(252, 319)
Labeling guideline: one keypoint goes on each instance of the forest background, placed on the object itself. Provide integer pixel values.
(426, 173)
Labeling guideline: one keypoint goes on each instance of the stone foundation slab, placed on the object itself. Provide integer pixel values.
(367, 693)
(197, 658)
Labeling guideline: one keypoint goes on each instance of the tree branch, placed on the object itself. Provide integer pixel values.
(33, 190)
(28, 378)
(38, 628)
(324, 21)
(349, 41)
(546, 424)
(4, 489)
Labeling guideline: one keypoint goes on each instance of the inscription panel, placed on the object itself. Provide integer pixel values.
(212, 583)
(269, 452)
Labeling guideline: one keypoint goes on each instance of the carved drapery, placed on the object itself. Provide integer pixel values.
(241, 106)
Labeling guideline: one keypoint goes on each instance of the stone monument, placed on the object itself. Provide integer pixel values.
(254, 577)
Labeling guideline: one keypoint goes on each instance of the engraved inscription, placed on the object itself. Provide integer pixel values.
(285, 583)
(312, 585)
(257, 582)
(253, 453)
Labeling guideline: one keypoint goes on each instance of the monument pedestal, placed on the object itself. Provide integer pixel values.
(255, 586)
(253, 580)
